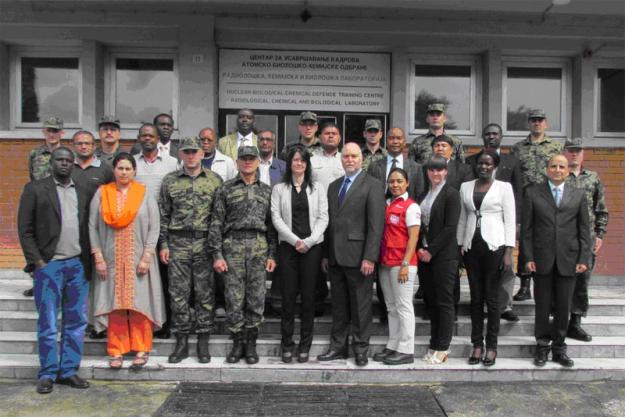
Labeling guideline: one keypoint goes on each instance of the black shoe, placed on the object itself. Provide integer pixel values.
(380, 356)
(287, 355)
(73, 381)
(510, 315)
(45, 386)
(490, 358)
(332, 355)
(302, 357)
(29, 293)
(319, 312)
(476, 355)
(540, 358)
(251, 356)
(361, 359)
(524, 292)
(97, 335)
(563, 359)
(236, 353)
(163, 333)
(575, 330)
(398, 359)
(181, 351)
(203, 355)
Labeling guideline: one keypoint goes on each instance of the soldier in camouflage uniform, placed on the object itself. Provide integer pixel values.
(533, 153)
(421, 146)
(307, 128)
(186, 202)
(373, 150)
(598, 215)
(109, 133)
(244, 243)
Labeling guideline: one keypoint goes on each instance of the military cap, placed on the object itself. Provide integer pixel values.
(247, 151)
(373, 124)
(536, 114)
(53, 123)
(109, 120)
(436, 107)
(190, 143)
(308, 116)
(574, 143)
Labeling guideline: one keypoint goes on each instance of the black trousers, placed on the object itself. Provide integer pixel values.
(164, 271)
(483, 270)
(438, 279)
(580, 294)
(552, 290)
(351, 294)
(298, 273)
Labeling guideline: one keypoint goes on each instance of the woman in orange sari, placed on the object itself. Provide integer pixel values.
(128, 297)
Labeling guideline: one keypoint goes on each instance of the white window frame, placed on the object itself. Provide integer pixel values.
(15, 78)
(603, 64)
(476, 90)
(565, 95)
(139, 53)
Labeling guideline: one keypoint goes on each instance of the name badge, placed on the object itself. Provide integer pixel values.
(394, 219)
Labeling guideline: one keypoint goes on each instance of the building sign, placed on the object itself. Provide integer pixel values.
(298, 80)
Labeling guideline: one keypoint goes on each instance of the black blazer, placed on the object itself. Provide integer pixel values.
(440, 233)
(413, 169)
(457, 173)
(509, 170)
(39, 222)
(355, 228)
(555, 236)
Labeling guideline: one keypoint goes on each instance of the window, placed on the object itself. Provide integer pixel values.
(453, 84)
(535, 85)
(610, 100)
(142, 87)
(48, 86)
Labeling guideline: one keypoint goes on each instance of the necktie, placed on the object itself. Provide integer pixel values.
(557, 196)
(393, 164)
(343, 191)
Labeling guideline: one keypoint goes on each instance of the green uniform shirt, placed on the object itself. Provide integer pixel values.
(186, 203)
(368, 157)
(534, 157)
(597, 209)
(39, 163)
(421, 148)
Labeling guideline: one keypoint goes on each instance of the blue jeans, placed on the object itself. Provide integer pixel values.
(61, 284)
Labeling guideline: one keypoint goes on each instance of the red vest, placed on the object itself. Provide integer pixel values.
(395, 238)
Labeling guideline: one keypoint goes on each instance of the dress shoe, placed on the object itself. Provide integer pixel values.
(563, 359)
(29, 293)
(575, 330)
(380, 356)
(509, 315)
(45, 386)
(540, 358)
(287, 355)
(361, 359)
(181, 351)
(398, 358)
(302, 357)
(476, 355)
(203, 355)
(332, 355)
(73, 381)
(490, 358)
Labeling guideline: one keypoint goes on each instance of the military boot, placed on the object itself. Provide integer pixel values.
(524, 292)
(181, 351)
(251, 357)
(203, 356)
(237, 348)
(575, 330)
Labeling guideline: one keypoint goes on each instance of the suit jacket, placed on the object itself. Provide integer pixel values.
(39, 222)
(276, 170)
(555, 236)
(457, 173)
(415, 175)
(440, 233)
(509, 170)
(355, 228)
(228, 145)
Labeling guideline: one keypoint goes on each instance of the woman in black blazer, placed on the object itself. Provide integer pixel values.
(438, 257)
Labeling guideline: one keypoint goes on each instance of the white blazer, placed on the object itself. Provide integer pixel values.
(498, 216)
(224, 166)
(317, 213)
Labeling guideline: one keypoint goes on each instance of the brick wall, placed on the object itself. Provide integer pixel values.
(610, 163)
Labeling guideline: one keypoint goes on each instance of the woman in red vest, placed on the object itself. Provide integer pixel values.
(398, 269)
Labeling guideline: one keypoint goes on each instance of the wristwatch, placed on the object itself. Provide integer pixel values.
(404, 263)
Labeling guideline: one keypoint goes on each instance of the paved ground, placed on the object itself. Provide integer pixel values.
(127, 399)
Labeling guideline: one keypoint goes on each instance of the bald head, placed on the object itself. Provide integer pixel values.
(351, 157)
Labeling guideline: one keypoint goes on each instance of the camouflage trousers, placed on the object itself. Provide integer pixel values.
(191, 271)
(246, 254)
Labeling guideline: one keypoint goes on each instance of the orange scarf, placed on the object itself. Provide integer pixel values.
(108, 207)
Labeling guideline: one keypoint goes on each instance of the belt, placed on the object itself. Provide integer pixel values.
(189, 233)
(242, 234)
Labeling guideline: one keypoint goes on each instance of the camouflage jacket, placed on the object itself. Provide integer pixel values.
(39, 163)
(368, 158)
(534, 157)
(241, 207)
(108, 157)
(421, 148)
(597, 210)
(315, 147)
(186, 203)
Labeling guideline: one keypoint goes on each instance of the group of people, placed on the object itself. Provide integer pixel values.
(141, 243)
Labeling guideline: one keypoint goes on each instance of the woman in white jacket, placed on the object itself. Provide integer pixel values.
(486, 235)
(299, 211)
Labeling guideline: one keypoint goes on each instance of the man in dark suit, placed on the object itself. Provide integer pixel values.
(556, 242)
(356, 211)
(508, 170)
(271, 168)
(53, 230)
(457, 172)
